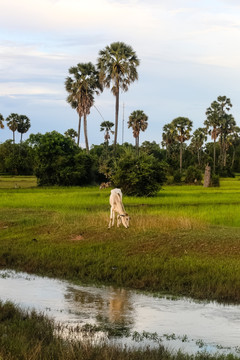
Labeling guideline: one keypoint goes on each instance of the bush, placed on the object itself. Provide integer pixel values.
(177, 177)
(215, 180)
(226, 172)
(59, 161)
(16, 159)
(193, 175)
(138, 175)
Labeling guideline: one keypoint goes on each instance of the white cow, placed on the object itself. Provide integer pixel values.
(117, 207)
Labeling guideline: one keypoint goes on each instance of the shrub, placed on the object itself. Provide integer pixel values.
(177, 177)
(16, 159)
(215, 180)
(193, 175)
(59, 161)
(138, 175)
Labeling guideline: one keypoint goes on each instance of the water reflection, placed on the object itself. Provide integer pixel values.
(180, 324)
(108, 305)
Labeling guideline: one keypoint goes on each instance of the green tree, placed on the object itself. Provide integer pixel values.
(16, 159)
(215, 114)
(117, 64)
(1, 122)
(60, 161)
(106, 126)
(227, 125)
(138, 175)
(234, 141)
(198, 138)
(82, 85)
(12, 123)
(183, 128)
(138, 121)
(168, 137)
(71, 133)
(23, 125)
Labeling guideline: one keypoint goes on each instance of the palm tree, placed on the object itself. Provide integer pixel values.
(183, 127)
(227, 126)
(117, 64)
(107, 125)
(12, 123)
(23, 125)
(138, 121)
(71, 133)
(168, 137)
(1, 122)
(215, 114)
(82, 87)
(198, 139)
(234, 140)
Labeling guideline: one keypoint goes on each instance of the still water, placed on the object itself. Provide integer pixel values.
(178, 324)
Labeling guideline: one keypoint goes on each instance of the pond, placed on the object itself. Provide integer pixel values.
(138, 319)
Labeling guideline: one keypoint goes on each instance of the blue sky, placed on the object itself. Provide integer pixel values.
(189, 52)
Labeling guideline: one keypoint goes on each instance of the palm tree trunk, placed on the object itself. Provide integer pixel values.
(79, 128)
(181, 156)
(116, 117)
(14, 137)
(214, 156)
(233, 158)
(199, 157)
(137, 144)
(85, 132)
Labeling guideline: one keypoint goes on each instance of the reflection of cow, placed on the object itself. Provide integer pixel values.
(105, 185)
(119, 305)
(117, 207)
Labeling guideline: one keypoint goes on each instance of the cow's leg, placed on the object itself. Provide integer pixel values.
(111, 218)
(118, 220)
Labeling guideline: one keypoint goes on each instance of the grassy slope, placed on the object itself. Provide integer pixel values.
(184, 241)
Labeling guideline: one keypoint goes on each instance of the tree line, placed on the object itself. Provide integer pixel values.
(57, 159)
(16, 122)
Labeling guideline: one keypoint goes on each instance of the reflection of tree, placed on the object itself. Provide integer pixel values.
(106, 306)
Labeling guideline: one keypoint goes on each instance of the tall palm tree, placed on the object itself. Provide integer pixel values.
(107, 126)
(183, 127)
(1, 122)
(215, 114)
(227, 125)
(168, 137)
(12, 123)
(23, 125)
(82, 87)
(138, 121)
(197, 141)
(234, 140)
(117, 64)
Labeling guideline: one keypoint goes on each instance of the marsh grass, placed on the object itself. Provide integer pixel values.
(186, 240)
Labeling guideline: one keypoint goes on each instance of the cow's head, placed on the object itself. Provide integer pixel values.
(125, 220)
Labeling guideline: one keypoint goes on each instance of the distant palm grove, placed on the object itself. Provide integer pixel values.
(181, 156)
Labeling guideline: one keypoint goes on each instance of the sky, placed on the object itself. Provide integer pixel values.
(188, 49)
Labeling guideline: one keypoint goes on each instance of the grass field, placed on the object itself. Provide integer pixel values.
(185, 241)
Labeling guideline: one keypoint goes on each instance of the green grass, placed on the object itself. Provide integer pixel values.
(16, 182)
(185, 241)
